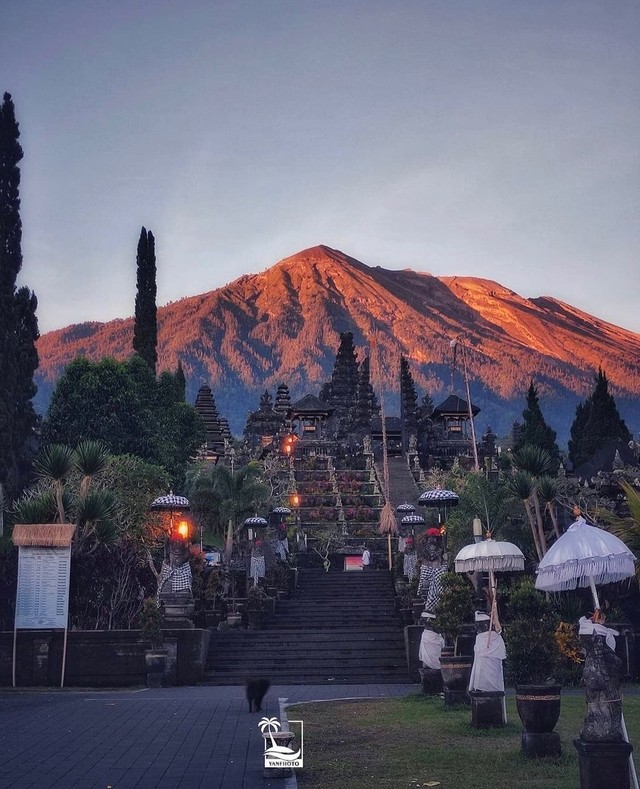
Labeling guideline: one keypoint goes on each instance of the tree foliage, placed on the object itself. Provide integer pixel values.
(123, 405)
(535, 431)
(18, 323)
(145, 328)
(597, 422)
(220, 497)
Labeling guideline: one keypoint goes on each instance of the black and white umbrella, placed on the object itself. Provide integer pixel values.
(281, 511)
(170, 503)
(439, 497)
(405, 509)
(255, 522)
(412, 520)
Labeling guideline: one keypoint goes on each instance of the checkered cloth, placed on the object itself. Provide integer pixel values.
(430, 585)
(180, 577)
(409, 568)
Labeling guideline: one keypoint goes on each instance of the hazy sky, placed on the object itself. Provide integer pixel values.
(490, 138)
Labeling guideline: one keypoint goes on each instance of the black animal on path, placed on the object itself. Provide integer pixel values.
(256, 691)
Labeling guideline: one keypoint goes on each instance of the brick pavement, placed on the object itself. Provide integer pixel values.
(170, 738)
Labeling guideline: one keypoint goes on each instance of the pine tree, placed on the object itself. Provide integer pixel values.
(596, 423)
(18, 323)
(535, 430)
(145, 330)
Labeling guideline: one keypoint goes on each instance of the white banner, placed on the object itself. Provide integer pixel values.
(43, 588)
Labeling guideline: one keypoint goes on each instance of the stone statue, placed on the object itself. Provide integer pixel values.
(601, 676)
(174, 584)
(410, 558)
(258, 565)
(175, 573)
(366, 445)
(430, 584)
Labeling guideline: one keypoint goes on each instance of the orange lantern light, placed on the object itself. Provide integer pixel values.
(294, 499)
(182, 530)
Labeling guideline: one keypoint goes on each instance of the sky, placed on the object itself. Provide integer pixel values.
(486, 138)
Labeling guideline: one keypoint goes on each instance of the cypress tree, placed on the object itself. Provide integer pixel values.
(535, 430)
(18, 323)
(145, 330)
(597, 422)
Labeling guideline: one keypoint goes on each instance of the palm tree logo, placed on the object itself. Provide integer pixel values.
(270, 726)
(280, 753)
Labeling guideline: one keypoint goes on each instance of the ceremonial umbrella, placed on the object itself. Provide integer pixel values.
(412, 519)
(584, 556)
(255, 522)
(281, 510)
(440, 498)
(170, 503)
(405, 509)
(492, 556)
(173, 504)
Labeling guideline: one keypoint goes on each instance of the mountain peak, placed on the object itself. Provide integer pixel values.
(284, 325)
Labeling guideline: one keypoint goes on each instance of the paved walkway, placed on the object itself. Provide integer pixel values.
(170, 738)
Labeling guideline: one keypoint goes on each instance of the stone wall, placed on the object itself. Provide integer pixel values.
(100, 658)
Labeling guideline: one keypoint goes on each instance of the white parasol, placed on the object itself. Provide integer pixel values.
(492, 556)
(584, 556)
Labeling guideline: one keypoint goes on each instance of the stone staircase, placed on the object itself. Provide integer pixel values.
(339, 627)
(402, 485)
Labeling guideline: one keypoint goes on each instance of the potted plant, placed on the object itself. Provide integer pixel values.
(532, 659)
(256, 607)
(156, 656)
(453, 610)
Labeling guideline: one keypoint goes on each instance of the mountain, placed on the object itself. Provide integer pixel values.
(283, 325)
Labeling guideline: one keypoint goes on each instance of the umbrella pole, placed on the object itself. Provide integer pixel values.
(632, 767)
(594, 592)
(492, 586)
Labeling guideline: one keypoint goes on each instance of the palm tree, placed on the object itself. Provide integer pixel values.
(522, 486)
(57, 467)
(54, 464)
(536, 463)
(229, 495)
(628, 529)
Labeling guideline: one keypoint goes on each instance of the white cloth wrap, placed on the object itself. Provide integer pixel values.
(486, 672)
(257, 568)
(588, 628)
(431, 645)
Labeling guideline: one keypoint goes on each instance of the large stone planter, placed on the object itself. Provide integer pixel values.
(456, 671)
(539, 709)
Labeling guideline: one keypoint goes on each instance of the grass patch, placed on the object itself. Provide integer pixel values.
(412, 741)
